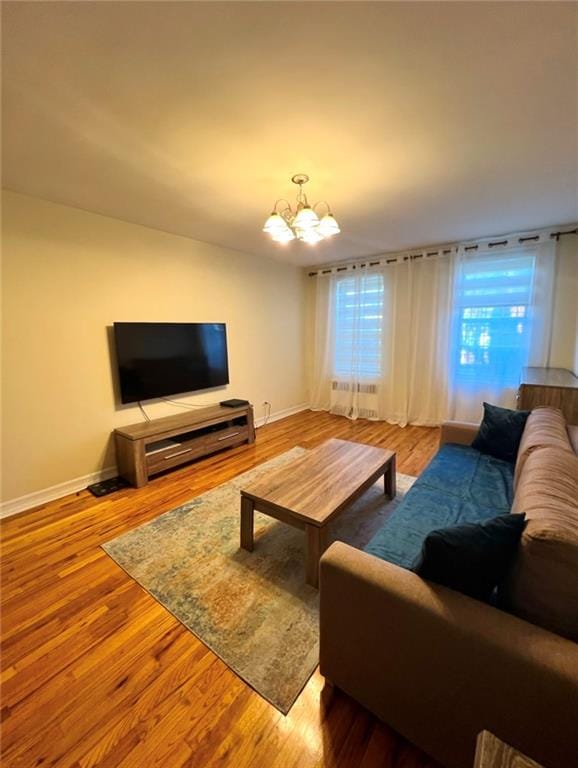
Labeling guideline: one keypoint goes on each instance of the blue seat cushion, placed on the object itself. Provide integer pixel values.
(460, 485)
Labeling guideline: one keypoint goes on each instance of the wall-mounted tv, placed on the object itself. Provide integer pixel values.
(160, 359)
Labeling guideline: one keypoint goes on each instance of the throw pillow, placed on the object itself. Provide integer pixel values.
(472, 558)
(500, 432)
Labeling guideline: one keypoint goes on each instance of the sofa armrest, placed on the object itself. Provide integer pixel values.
(462, 432)
(440, 667)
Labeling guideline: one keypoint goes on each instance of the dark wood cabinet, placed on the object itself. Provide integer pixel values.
(557, 387)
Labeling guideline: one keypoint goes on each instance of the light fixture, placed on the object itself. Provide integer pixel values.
(285, 224)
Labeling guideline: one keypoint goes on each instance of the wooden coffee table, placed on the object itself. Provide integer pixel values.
(310, 491)
(491, 752)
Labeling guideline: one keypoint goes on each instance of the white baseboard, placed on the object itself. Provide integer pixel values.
(37, 498)
(282, 414)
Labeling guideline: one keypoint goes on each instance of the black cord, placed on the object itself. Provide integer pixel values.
(267, 417)
(187, 405)
(144, 413)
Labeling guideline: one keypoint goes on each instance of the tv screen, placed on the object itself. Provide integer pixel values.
(160, 359)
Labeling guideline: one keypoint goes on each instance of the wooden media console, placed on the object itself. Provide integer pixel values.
(150, 447)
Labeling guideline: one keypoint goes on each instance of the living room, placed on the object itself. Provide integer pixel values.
(159, 164)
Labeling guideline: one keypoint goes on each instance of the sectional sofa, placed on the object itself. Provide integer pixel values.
(439, 666)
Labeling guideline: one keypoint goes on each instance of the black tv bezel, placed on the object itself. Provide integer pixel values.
(165, 393)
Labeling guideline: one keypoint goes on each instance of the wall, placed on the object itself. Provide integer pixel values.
(564, 349)
(68, 275)
(576, 345)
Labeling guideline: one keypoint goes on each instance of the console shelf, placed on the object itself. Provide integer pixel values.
(145, 449)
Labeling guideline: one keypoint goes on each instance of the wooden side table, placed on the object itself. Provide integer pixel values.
(493, 753)
(556, 387)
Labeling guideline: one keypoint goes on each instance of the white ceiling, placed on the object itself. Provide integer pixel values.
(421, 123)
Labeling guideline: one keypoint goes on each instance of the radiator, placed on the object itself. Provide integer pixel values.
(345, 386)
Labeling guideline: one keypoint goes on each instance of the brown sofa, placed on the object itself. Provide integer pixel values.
(440, 667)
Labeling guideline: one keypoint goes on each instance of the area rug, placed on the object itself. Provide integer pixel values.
(253, 609)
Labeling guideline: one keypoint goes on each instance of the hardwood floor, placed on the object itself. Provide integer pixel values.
(96, 673)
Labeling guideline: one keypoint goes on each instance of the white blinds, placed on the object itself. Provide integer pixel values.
(492, 329)
(358, 323)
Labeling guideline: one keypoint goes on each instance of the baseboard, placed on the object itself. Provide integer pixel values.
(22, 503)
(37, 498)
(282, 414)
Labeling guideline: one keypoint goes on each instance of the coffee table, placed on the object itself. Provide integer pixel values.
(310, 491)
(491, 752)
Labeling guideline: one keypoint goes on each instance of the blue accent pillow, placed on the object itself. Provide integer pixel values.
(500, 432)
(472, 558)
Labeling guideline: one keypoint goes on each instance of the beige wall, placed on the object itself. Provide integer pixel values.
(68, 275)
(564, 347)
(576, 345)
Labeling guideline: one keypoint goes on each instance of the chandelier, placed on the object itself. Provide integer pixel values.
(285, 224)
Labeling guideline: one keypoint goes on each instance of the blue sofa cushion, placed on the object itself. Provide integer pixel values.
(500, 432)
(460, 485)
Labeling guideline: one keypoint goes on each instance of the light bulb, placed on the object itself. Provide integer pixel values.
(328, 226)
(275, 223)
(306, 218)
(283, 235)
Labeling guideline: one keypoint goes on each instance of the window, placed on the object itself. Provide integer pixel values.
(493, 319)
(358, 324)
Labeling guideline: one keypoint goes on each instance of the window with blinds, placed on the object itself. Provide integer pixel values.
(358, 323)
(493, 321)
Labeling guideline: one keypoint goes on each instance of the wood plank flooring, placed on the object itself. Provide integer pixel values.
(96, 673)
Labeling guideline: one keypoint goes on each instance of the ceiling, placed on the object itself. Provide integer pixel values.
(420, 123)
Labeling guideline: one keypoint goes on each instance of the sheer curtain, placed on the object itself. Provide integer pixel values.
(381, 340)
(416, 339)
(501, 321)
(420, 340)
(348, 343)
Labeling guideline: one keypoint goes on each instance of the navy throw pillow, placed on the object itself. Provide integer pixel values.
(500, 432)
(472, 558)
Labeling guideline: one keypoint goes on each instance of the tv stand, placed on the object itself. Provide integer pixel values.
(145, 449)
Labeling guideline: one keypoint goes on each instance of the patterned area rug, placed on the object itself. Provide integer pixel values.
(253, 609)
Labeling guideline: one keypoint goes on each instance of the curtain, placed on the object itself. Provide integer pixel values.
(416, 330)
(418, 341)
(381, 337)
(348, 343)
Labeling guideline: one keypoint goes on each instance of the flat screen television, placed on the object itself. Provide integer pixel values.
(160, 359)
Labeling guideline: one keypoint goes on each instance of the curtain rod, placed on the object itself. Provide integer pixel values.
(442, 251)
(558, 235)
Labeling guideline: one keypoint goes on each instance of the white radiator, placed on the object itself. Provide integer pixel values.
(354, 400)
